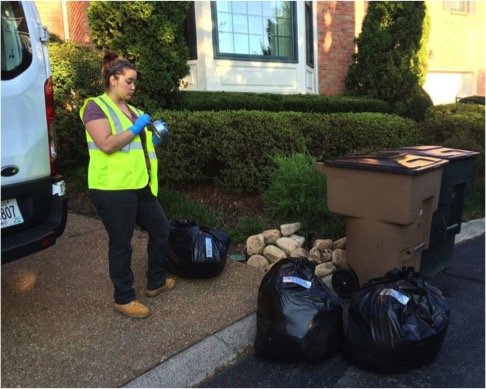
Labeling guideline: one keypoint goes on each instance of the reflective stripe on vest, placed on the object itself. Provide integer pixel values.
(116, 121)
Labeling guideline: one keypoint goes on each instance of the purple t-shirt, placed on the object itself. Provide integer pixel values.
(94, 112)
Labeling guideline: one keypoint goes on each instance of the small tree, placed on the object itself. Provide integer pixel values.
(150, 34)
(391, 60)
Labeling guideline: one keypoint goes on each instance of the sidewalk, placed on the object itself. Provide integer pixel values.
(59, 328)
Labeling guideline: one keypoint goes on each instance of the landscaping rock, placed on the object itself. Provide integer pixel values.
(274, 254)
(255, 244)
(289, 229)
(288, 245)
(324, 269)
(339, 244)
(271, 236)
(339, 258)
(323, 244)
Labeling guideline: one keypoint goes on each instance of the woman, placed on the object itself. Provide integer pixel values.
(122, 181)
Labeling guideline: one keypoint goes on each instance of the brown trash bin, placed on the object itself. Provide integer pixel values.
(388, 199)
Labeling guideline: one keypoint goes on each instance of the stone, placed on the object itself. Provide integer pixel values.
(274, 254)
(271, 236)
(339, 258)
(326, 255)
(258, 261)
(339, 244)
(255, 244)
(287, 244)
(324, 269)
(299, 239)
(316, 255)
(289, 229)
(300, 252)
(323, 244)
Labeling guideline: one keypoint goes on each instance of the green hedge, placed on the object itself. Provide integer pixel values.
(219, 101)
(459, 126)
(235, 149)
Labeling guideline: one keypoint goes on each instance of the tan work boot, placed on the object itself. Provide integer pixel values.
(133, 309)
(169, 284)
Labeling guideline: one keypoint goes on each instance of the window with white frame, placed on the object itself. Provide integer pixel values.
(255, 30)
(461, 7)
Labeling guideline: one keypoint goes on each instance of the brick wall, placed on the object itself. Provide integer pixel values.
(78, 21)
(336, 22)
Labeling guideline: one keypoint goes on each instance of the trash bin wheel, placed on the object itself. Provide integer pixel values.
(345, 282)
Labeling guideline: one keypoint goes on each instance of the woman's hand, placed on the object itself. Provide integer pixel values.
(142, 121)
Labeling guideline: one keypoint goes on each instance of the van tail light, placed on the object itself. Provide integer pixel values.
(50, 114)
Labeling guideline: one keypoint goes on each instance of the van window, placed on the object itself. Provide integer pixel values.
(16, 48)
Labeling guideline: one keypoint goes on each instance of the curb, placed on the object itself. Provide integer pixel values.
(199, 361)
(196, 363)
(470, 230)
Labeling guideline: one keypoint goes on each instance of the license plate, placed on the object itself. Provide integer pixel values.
(11, 213)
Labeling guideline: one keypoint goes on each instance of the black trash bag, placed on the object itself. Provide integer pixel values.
(298, 317)
(194, 251)
(396, 323)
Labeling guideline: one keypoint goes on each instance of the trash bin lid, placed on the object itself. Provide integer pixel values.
(387, 161)
(437, 152)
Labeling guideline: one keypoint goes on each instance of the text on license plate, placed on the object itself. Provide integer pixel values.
(11, 213)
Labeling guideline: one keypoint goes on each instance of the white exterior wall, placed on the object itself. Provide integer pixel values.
(211, 74)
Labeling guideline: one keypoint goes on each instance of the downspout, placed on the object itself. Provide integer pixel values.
(65, 21)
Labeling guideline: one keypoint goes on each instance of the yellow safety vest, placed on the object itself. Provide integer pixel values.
(126, 168)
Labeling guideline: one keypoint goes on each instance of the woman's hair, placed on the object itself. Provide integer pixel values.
(113, 65)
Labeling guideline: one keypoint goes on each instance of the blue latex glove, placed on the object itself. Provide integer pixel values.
(155, 140)
(142, 121)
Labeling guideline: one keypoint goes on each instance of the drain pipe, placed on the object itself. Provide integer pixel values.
(65, 21)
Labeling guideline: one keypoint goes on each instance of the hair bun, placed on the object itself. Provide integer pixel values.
(109, 55)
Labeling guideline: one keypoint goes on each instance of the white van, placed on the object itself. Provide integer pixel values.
(34, 203)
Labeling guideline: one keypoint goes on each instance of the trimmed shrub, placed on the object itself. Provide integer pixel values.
(459, 126)
(235, 149)
(419, 104)
(227, 101)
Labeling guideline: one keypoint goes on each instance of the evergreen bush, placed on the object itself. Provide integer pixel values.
(391, 58)
(75, 76)
(150, 34)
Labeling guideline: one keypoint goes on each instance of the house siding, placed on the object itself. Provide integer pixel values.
(456, 53)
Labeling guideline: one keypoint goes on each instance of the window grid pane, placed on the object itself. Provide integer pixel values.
(256, 28)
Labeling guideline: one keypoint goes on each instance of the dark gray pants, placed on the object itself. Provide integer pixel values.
(120, 211)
